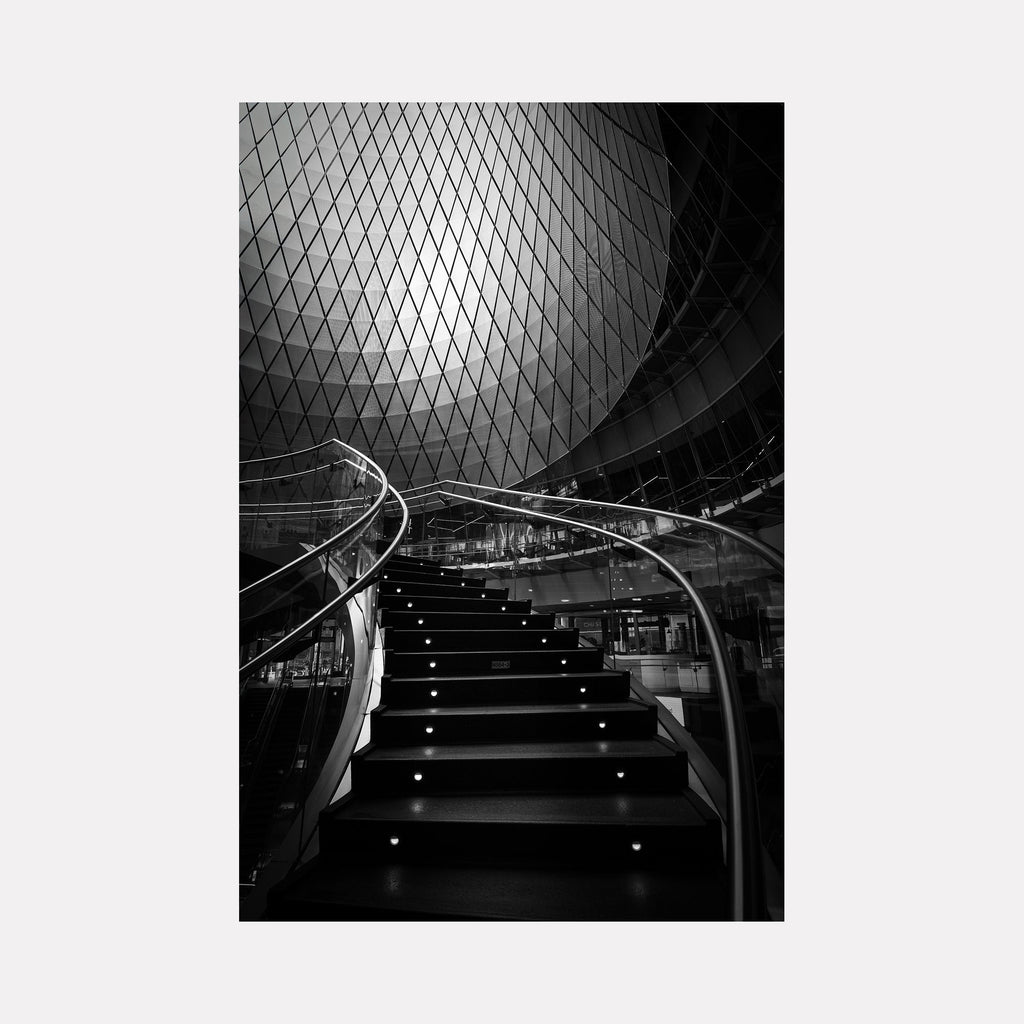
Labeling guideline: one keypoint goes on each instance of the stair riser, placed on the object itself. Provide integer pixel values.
(575, 725)
(640, 774)
(478, 620)
(401, 602)
(423, 564)
(458, 663)
(520, 843)
(453, 577)
(399, 693)
(517, 639)
(443, 590)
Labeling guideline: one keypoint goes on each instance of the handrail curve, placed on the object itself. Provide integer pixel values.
(353, 530)
(359, 584)
(771, 555)
(301, 451)
(743, 843)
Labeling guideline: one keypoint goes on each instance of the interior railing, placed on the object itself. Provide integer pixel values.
(311, 550)
(611, 563)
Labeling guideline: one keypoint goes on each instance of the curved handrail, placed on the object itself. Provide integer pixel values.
(354, 529)
(359, 584)
(291, 455)
(766, 551)
(742, 829)
(307, 472)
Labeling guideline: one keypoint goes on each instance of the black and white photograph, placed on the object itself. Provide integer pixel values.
(510, 511)
(410, 412)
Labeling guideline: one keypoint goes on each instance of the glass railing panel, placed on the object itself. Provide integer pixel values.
(627, 603)
(666, 649)
(328, 502)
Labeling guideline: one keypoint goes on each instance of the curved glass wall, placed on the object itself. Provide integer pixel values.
(459, 289)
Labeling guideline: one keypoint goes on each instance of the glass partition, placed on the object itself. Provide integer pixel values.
(309, 524)
(624, 601)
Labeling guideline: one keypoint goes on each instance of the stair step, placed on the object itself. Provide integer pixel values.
(518, 637)
(419, 589)
(612, 720)
(427, 564)
(493, 689)
(457, 663)
(402, 892)
(523, 828)
(446, 605)
(400, 574)
(649, 765)
(468, 620)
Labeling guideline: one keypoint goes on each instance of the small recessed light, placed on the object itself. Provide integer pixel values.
(433, 693)
(419, 778)
(409, 605)
(502, 607)
(524, 622)
(636, 847)
(398, 590)
(385, 575)
(394, 840)
(620, 775)
(583, 689)
(463, 584)
(427, 641)
(601, 725)
(433, 664)
(563, 661)
(419, 622)
(430, 728)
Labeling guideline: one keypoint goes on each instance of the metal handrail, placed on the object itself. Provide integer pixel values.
(742, 828)
(301, 451)
(353, 530)
(766, 551)
(359, 584)
(308, 472)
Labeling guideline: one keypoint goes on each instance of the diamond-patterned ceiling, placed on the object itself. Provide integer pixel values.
(458, 290)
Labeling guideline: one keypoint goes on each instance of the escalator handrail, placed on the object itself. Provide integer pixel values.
(766, 551)
(742, 828)
(358, 585)
(351, 532)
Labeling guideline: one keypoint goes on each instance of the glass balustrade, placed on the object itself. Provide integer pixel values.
(309, 524)
(622, 599)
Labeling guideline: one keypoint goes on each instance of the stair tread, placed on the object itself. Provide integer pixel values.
(518, 751)
(515, 808)
(507, 677)
(507, 893)
(508, 650)
(488, 710)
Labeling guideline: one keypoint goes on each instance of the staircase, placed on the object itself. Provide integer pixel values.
(509, 776)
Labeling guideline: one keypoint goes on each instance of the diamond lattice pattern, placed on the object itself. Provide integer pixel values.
(459, 290)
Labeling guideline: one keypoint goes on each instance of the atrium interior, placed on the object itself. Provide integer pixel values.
(511, 511)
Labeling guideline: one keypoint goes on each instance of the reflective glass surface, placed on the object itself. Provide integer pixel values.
(460, 289)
